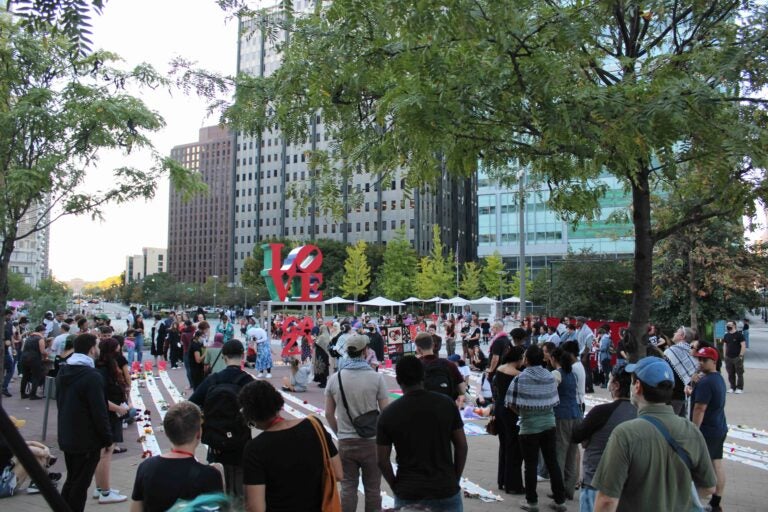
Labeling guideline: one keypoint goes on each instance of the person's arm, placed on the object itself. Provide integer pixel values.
(44, 352)
(743, 346)
(330, 413)
(595, 419)
(383, 452)
(198, 356)
(256, 498)
(494, 363)
(604, 503)
(459, 440)
(383, 402)
(338, 472)
(698, 413)
(137, 506)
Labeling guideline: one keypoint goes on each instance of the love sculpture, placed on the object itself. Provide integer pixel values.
(297, 278)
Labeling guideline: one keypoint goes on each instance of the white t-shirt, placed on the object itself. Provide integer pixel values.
(581, 381)
(57, 346)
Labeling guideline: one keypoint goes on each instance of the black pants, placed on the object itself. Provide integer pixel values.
(510, 472)
(32, 375)
(588, 371)
(80, 470)
(176, 355)
(531, 444)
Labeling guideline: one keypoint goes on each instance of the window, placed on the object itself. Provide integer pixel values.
(357, 227)
(367, 226)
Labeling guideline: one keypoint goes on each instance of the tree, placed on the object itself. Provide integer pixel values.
(705, 272)
(357, 272)
(398, 270)
(441, 266)
(587, 285)
(50, 295)
(656, 95)
(18, 289)
(58, 109)
(424, 285)
(493, 282)
(470, 287)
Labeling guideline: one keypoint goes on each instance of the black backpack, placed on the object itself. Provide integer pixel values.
(437, 378)
(224, 428)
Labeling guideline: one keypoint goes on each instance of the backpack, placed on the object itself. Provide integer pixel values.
(437, 378)
(332, 346)
(224, 428)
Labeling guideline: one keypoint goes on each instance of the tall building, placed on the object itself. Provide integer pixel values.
(200, 229)
(547, 238)
(266, 165)
(30, 254)
(152, 260)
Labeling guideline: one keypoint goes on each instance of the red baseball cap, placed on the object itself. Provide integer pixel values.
(708, 353)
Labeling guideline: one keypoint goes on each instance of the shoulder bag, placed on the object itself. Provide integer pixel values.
(365, 424)
(680, 451)
(331, 502)
(207, 370)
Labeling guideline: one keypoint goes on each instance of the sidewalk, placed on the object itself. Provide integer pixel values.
(745, 492)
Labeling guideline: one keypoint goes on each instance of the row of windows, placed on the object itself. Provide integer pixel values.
(532, 237)
(359, 226)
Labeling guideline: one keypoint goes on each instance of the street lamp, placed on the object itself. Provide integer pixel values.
(215, 284)
(501, 274)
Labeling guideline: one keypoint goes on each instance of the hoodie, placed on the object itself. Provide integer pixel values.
(83, 420)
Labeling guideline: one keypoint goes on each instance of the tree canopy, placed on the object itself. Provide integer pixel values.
(664, 96)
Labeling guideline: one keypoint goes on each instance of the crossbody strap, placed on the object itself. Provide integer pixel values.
(217, 358)
(344, 399)
(674, 444)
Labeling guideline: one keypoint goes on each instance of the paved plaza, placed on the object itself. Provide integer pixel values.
(746, 445)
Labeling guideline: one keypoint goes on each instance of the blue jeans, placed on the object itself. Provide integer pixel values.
(587, 499)
(131, 355)
(9, 364)
(139, 346)
(452, 504)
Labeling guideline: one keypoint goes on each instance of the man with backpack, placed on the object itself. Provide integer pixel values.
(224, 428)
(440, 375)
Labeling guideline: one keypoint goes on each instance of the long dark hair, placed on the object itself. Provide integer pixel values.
(108, 359)
(565, 359)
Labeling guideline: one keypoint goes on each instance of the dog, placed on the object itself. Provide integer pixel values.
(43, 455)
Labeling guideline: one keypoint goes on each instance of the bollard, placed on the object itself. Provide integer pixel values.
(50, 394)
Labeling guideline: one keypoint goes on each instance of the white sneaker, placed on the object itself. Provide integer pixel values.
(97, 492)
(260, 375)
(112, 497)
(269, 375)
(730, 391)
(739, 391)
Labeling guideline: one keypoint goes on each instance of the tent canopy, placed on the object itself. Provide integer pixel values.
(414, 299)
(381, 302)
(435, 299)
(484, 300)
(512, 299)
(338, 300)
(455, 301)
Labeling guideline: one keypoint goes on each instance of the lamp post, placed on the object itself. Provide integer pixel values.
(501, 274)
(215, 285)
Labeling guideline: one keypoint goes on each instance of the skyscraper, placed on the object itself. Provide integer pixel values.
(200, 230)
(266, 165)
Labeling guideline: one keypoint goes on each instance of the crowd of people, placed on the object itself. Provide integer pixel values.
(657, 445)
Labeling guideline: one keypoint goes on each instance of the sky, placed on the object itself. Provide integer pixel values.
(154, 32)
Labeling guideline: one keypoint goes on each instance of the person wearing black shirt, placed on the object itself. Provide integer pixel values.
(428, 435)
(510, 470)
(735, 346)
(271, 472)
(163, 479)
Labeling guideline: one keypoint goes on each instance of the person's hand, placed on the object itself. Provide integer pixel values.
(122, 410)
(688, 390)
(696, 377)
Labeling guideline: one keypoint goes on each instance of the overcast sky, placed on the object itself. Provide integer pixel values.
(153, 32)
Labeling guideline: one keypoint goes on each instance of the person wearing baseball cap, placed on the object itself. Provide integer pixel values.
(639, 469)
(708, 413)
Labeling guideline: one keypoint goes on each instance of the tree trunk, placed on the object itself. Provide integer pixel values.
(642, 280)
(692, 291)
(5, 263)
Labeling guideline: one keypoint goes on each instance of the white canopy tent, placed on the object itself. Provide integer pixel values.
(382, 302)
(513, 300)
(483, 301)
(414, 299)
(337, 300)
(455, 301)
(435, 299)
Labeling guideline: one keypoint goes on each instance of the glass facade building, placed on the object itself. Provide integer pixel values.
(547, 237)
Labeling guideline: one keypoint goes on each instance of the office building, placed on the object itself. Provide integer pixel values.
(547, 238)
(200, 229)
(151, 261)
(30, 254)
(267, 166)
